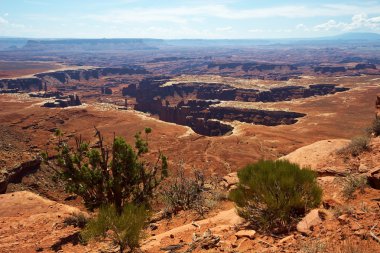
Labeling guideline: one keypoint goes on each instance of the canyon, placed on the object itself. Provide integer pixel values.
(212, 106)
(39, 81)
(194, 104)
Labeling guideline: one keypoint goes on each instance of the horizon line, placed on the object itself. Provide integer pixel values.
(197, 38)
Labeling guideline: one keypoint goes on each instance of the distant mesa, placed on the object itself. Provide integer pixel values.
(357, 36)
(92, 44)
(97, 45)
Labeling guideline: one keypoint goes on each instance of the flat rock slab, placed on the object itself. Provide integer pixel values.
(318, 155)
(29, 222)
(227, 218)
(250, 234)
(305, 226)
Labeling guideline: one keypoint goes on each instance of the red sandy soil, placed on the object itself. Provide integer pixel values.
(29, 128)
(29, 222)
(10, 69)
(327, 117)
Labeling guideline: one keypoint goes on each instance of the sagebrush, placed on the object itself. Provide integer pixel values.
(125, 229)
(375, 127)
(352, 183)
(183, 192)
(273, 195)
(76, 220)
(358, 145)
(190, 191)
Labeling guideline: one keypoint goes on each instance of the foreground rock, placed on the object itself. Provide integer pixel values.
(224, 219)
(313, 218)
(15, 174)
(230, 181)
(246, 233)
(30, 223)
(374, 178)
(319, 156)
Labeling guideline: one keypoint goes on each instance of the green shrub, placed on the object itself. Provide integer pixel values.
(184, 192)
(313, 246)
(111, 176)
(358, 145)
(375, 127)
(191, 192)
(124, 229)
(273, 195)
(76, 220)
(352, 184)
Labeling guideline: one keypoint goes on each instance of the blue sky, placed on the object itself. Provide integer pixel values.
(233, 19)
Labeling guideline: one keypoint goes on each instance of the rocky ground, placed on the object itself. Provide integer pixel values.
(34, 209)
(31, 223)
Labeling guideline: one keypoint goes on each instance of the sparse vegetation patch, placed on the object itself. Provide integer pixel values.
(273, 195)
(353, 183)
(357, 146)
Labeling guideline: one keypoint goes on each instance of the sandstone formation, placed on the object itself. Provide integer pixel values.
(374, 178)
(106, 90)
(40, 81)
(14, 175)
(313, 218)
(227, 218)
(361, 66)
(329, 69)
(22, 84)
(30, 223)
(64, 101)
(319, 155)
(66, 76)
(191, 104)
(250, 234)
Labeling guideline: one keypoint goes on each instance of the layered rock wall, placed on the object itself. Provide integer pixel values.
(39, 81)
(191, 103)
(24, 84)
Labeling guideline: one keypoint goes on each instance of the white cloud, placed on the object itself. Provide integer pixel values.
(359, 21)
(6, 14)
(3, 21)
(255, 30)
(224, 29)
(5, 25)
(302, 27)
(185, 14)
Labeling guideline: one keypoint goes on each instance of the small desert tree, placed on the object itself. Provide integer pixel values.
(272, 195)
(117, 180)
(115, 176)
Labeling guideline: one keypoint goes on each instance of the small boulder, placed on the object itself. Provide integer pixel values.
(343, 219)
(362, 233)
(363, 168)
(153, 226)
(246, 233)
(373, 177)
(230, 180)
(355, 226)
(330, 203)
(313, 218)
(286, 239)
